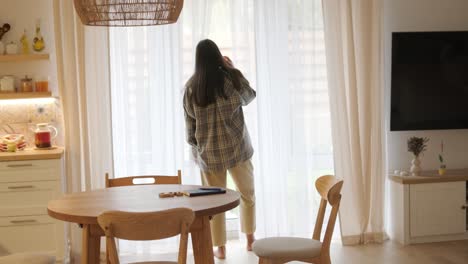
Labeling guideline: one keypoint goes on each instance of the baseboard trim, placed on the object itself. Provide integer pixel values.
(440, 238)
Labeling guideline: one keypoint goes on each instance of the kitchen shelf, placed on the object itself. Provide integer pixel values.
(23, 57)
(28, 95)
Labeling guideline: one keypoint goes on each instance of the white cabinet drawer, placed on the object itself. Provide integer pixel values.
(30, 170)
(28, 194)
(25, 220)
(25, 189)
(18, 211)
(28, 233)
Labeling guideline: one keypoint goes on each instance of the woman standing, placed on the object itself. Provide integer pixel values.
(216, 130)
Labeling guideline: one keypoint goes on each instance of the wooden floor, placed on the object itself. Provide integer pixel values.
(387, 253)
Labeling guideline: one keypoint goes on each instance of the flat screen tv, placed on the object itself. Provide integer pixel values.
(429, 81)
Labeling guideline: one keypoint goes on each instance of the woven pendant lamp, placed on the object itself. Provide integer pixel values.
(127, 13)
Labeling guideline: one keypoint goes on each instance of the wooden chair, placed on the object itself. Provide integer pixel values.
(142, 180)
(281, 250)
(146, 226)
(149, 179)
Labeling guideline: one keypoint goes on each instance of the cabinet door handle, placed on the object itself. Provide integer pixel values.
(28, 221)
(21, 187)
(19, 165)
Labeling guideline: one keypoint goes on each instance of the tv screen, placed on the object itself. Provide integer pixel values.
(429, 81)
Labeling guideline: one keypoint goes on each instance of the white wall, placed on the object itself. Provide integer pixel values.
(423, 15)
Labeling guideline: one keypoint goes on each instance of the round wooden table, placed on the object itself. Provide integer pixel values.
(84, 208)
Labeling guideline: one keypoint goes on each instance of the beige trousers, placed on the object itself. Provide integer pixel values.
(243, 177)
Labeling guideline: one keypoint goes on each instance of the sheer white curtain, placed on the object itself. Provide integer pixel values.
(293, 136)
(146, 87)
(279, 46)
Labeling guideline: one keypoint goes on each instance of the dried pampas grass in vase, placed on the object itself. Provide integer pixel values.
(416, 145)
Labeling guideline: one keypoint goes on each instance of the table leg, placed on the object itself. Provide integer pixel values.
(91, 244)
(201, 241)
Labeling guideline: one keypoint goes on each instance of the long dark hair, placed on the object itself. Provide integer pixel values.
(211, 69)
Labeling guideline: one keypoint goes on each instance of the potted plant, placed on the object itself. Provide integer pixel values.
(442, 166)
(416, 145)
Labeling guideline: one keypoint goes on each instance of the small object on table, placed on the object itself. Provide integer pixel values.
(170, 194)
(404, 173)
(211, 188)
(166, 195)
(204, 191)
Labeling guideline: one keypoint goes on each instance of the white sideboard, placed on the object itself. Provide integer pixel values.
(428, 208)
(28, 180)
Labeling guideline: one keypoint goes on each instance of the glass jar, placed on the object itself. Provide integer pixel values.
(7, 84)
(43, 135)
(42, 84)
(26, 84)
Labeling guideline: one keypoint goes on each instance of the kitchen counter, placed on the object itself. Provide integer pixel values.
(32, 154)
(432, 177)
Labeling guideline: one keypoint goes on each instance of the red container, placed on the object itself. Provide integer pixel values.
(43, 139)
(43, 135)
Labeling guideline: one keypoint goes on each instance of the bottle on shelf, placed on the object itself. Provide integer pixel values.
(25, 43)
(38, 41)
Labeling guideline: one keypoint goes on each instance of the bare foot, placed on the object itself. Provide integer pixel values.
(250, 240)
(220, 252)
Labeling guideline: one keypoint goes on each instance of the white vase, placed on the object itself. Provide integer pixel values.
(415, 166)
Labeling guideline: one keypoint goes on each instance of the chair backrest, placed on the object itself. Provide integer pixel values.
(146, 226)
(144, 180)
(329, 188)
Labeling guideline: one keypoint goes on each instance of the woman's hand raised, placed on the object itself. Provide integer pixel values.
(228, 61)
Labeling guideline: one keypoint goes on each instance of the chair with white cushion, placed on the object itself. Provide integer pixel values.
(279, 250)
(27, 258)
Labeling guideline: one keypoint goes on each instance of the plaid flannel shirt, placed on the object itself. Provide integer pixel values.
(217, 132)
